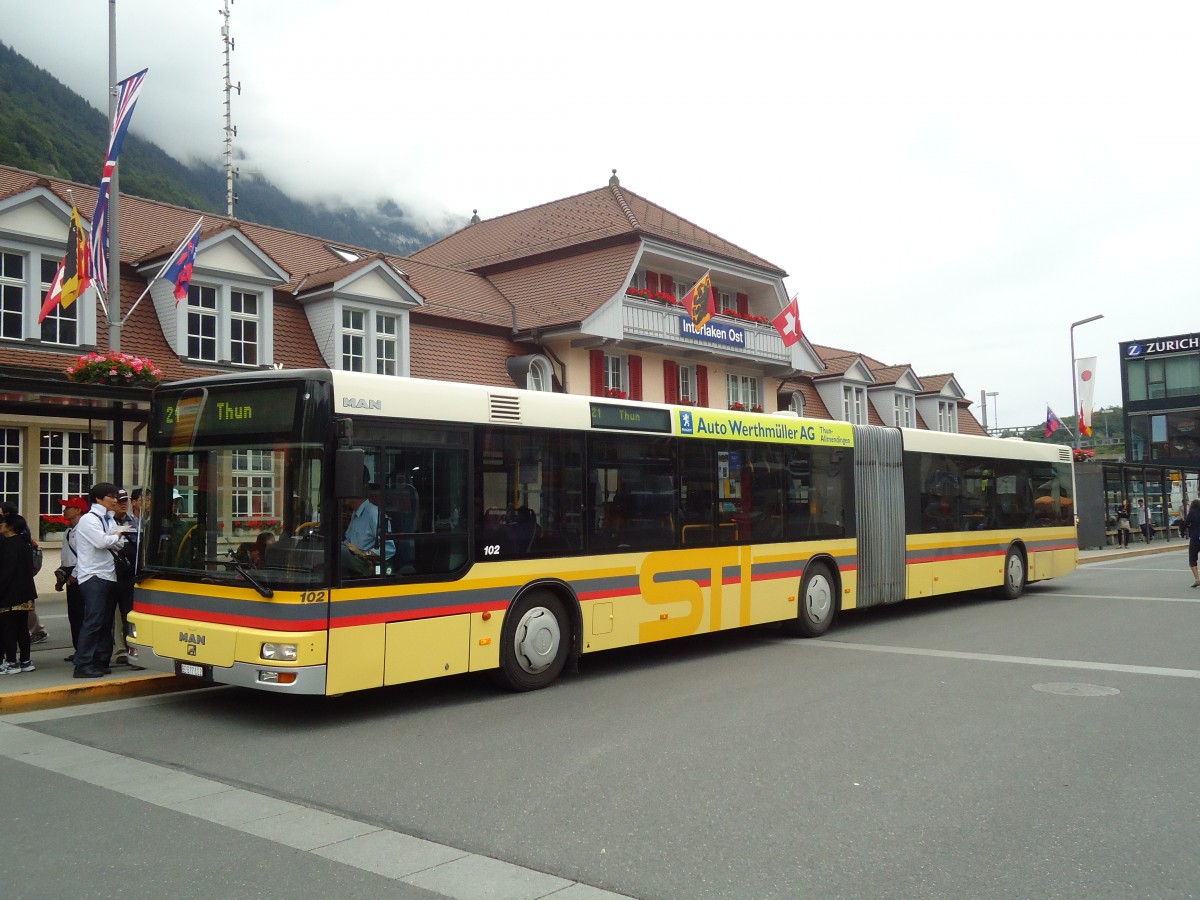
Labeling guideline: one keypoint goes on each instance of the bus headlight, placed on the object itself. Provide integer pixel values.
(286, 652)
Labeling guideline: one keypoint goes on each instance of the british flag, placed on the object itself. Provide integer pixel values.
(127, 95)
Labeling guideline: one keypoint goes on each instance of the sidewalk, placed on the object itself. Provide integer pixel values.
(53, 683)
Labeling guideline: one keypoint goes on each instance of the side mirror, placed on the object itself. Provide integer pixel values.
(348, 473)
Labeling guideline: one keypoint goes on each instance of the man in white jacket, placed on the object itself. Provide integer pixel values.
(96, 537)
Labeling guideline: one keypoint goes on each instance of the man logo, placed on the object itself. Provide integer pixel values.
(361, 403)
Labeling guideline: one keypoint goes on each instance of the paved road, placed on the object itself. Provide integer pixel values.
(970, 747)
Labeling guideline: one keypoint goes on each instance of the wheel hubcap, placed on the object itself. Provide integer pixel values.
(1015, 571)
(818, 599)
(537, 640)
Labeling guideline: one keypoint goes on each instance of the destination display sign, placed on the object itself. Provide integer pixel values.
(222, 412)
(630, 418)
(714, 423)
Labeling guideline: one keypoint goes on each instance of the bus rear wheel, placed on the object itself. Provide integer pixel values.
(535, 641)
(1013, 585)
(818, 604)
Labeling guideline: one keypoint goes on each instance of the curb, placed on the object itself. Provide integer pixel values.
(77, 694)
(1126, 554)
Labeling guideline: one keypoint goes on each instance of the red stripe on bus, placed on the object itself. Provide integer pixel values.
(195, 615)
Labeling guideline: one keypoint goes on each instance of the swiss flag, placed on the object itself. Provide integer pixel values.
(787, 323)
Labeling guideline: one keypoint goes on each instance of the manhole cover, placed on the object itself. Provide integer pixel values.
(1071, 689)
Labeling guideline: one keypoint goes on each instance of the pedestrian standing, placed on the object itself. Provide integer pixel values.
(1144, 521)
(1123, 524)
(17, 593)
(97, 537)
(1135, 517)
(64, 575)
(127, 561)
(1193, 528)
(36, 631)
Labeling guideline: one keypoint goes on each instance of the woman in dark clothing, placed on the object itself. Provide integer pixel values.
(17, 593)
(1193, 528)
(36, 631)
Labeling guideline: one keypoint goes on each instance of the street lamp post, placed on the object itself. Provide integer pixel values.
(1074, 376)
(995, 411)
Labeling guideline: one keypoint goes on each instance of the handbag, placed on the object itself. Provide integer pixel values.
(37, 559)
(123, 564)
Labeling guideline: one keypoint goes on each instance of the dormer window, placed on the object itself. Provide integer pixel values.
(947, 416)
(905, 415)
(370, 341)
(854, 404)
(224, 325)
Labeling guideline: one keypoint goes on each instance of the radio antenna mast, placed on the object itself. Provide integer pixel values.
(230, 129)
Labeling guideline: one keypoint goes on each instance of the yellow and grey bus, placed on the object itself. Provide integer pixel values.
(318, 532)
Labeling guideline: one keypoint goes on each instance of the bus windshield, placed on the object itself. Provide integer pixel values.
(236, 486)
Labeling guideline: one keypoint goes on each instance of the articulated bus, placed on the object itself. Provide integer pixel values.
(514, 531)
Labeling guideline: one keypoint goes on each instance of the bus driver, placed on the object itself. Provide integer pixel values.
(360, 549)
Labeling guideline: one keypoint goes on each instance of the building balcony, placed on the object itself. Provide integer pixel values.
(657, 322)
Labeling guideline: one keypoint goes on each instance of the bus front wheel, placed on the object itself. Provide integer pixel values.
(818, 604)
(535, 642)
(1014, 575)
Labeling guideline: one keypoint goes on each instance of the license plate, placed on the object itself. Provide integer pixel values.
(193, 670)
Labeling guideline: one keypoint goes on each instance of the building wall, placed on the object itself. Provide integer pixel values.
(1160, 391)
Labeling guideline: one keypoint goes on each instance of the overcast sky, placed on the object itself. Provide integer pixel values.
(949, 184)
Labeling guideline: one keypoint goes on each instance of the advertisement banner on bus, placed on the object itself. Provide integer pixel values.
(712, 423)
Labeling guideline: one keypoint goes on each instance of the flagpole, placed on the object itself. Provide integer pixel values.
(114, 232)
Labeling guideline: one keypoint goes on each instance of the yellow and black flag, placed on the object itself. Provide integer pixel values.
(77, 266)
(699, 302)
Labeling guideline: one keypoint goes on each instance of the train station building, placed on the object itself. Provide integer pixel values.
(578, 295)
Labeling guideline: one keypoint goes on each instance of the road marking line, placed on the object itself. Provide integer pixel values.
(1121, 597)
(391, 854)
(1000, 658)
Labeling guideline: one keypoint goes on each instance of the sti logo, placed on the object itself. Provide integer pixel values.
(1134, 350)
(685, 422)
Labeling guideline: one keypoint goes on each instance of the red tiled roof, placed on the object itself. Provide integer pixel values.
(827, 353)
(565, 291)
(474, 358)
(967, 423)
(814, 406)
(837, 365)
(933, 384)
(609, 214)
(889, 374)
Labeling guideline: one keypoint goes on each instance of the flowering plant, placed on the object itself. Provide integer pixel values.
(1084, 453)
(113, 368)
(646, 294)
(756, 408)
(737, 405)
(256, 524)
(686, 402)
(615, 394)
(53, 524)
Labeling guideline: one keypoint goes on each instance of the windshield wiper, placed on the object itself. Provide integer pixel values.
(245, 573)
